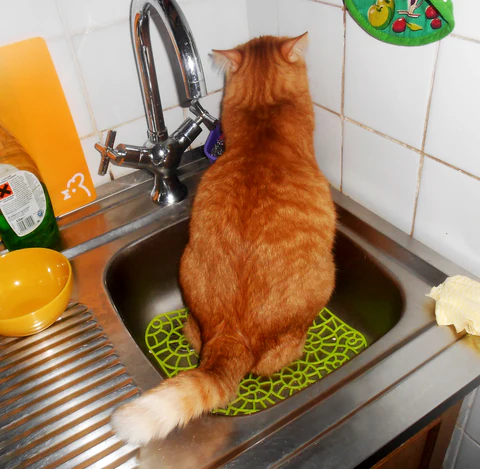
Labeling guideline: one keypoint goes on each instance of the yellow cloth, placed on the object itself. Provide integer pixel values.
(458, 303)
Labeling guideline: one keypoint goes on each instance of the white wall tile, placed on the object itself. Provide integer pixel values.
(473, 424)
(387, 87)
(466, 14)
(453, 129)
(107, 64)
(106, 78)
(447, 218)
(69, 77)
(468, 455)
(135, 132)
(324, 24)
(132, 133)
(85, 15)
(92, 158)
(328, 144)
(465, 410)
(212, 104)
(216, 24)
(262, 17)
(380, 175)
(452, 451)
(24, 19)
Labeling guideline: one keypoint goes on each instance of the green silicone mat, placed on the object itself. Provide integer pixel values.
(330, 343)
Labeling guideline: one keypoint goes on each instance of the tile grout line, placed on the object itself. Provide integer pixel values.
(380, 134)
(473, 440)
(327, 109)
(93, 134)
(465, 38)
(116, 126)
(91, 29)
(215, 92)
(86, 96)
(398, 142)
(342, 101)
(424, 139)
(328, 4)
(457, 449)
(462, 430)
(99, 132)
(77, 67)
(448, 165)
(417, 193)
(472, 397)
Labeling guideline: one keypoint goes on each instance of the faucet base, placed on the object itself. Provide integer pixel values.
(168, 190)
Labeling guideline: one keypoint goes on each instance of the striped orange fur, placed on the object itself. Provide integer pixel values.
(258, 266)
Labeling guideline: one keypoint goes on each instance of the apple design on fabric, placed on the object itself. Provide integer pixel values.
(399, 25)
(387, 3)
(379, 16)
(431, 12)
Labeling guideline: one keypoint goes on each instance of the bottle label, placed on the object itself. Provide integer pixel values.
(22, 201)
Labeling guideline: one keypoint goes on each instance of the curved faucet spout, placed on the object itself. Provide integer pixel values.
(161, 154)
(187, 55)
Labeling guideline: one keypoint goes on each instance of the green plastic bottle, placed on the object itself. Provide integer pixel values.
(26, 214)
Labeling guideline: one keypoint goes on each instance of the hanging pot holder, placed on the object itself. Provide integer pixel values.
(404, 22)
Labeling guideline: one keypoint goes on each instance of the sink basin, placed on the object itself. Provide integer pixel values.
(133, 248)
(380, 291)
(142, 281)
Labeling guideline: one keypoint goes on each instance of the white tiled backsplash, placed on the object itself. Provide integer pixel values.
(397, 128)
(395, 125)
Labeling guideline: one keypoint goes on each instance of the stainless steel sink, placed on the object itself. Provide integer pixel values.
(124, 252)
(142, 281)
(381, 288)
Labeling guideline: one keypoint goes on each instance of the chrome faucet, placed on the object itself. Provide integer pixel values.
(161, 154)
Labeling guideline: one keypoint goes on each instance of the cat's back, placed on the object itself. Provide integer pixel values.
(277, 175)
(263, 219)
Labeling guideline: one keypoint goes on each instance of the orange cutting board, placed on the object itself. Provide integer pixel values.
(33, 109)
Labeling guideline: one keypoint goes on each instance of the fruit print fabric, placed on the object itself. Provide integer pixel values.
(404, 22)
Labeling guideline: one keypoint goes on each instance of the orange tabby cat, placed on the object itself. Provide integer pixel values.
(258, 266)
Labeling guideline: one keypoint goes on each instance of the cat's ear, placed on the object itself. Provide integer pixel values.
(227, 59)
(295, 48)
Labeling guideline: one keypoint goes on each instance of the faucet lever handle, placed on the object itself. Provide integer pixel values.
(104, 149)
(205, 117)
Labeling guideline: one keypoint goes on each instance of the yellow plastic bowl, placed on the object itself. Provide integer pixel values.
(35, 288)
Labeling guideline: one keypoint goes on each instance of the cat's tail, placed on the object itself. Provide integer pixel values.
(225, 361)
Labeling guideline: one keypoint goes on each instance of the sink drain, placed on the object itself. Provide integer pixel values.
(330, 343)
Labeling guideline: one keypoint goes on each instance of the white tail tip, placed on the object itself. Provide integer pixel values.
(150, 417)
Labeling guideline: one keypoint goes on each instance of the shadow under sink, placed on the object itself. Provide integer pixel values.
(142, 281)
